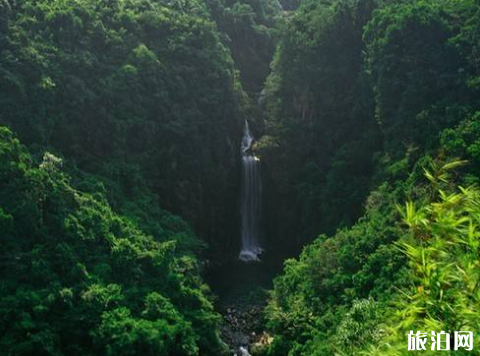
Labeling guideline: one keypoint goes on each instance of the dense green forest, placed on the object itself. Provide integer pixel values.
(123, 169)
(372, 111)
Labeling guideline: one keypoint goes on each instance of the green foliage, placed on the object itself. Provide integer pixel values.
(463, 141)
(311, 300)
(416, 62)
(444, 265)
(248, 27)
(360, 290)
(320, 134)
(359, 326)
(139, 93)
(353, 294)
(78, 279)
(355, 83)
(131, 107)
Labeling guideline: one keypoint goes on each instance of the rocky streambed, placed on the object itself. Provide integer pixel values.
(243, 330)
(241, 290)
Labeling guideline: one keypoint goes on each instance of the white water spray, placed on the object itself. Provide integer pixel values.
(243, 351)
(251, 194)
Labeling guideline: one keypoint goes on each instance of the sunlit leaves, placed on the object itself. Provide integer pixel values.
(78, 279)
(445, 266)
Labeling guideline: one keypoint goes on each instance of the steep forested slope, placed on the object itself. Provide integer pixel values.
(370, 141)
(78, 279)
(248, 29)
(320, 135)
(139, 92)
(140, 101)
(402, 266)
(344, 87)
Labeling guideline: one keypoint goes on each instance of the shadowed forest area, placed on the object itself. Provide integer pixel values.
(238, 177)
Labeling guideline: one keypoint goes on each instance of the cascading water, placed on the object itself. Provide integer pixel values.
(243, 351)
(251, 194)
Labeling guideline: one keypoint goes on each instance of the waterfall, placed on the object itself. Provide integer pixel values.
(243, 351)
(251, 193)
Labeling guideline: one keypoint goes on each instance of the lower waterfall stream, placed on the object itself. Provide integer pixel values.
(241, 284)
(251, 200)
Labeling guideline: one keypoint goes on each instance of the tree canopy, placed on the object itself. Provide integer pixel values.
(120, 172)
